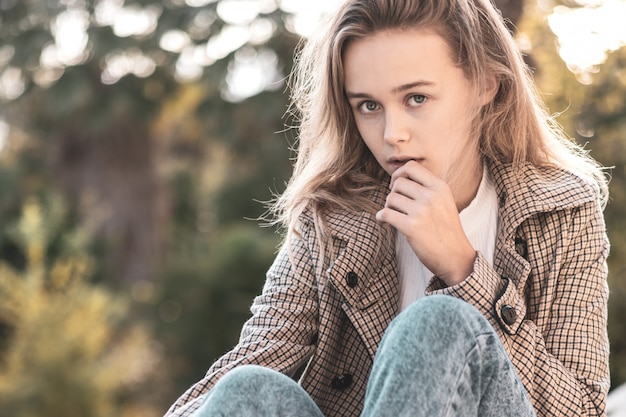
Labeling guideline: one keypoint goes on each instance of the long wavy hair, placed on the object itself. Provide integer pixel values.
(334, 168)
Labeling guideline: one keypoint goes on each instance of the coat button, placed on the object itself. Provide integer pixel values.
(521, 247)
(352, 279)
(341, 382)
(502, 199)
(509, 315)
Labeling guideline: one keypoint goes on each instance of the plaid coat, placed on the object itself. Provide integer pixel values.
(546, 296)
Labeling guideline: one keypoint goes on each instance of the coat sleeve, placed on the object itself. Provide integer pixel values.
(281, 332)
(561, 352)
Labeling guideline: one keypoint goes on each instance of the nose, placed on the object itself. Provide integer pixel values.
(397, 127)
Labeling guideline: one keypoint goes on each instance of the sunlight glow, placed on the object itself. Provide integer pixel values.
(122, 63)
(70, 35)
(127, 21)
(135, 21)
(198, 3)
(69, 30)
(200, 26)
(251, 72)
(586, 35)
(12, 83)
(6, 53)
(106, 11)
(228, 40)
(306, 15)
(4, 134)
(45, 77)
(174, 40)
(191, 62)
(238, 12)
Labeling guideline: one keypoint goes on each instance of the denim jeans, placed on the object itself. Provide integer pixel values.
(439, 357)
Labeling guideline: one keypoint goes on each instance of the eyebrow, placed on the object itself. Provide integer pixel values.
(399, 89)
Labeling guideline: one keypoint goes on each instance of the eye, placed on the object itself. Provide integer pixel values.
(368, 106)
(417, 100)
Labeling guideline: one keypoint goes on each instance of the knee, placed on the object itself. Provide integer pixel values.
(437, 314)
(247, 376)
(438, 309)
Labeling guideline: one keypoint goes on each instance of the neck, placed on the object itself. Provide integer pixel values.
(468, 186)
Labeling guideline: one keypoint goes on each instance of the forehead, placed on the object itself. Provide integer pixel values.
(398, 55)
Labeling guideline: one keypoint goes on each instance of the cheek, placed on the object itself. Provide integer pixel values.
(465, 112)
(457, 133)
(447, 148)
(371, 145)
(368, 134)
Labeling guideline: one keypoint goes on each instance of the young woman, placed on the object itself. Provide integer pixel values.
(446, 248)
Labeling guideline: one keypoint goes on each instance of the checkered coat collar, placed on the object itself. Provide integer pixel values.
(530, 190)
(361, 248)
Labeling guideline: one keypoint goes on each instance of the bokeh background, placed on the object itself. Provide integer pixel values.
(138, 142)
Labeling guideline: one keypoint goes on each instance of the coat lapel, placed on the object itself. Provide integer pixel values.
(523, 193)
(365, 273)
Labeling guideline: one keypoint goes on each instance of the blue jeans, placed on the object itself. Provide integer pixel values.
(439, 357)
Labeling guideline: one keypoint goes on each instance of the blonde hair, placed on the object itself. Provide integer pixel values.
(334, 168)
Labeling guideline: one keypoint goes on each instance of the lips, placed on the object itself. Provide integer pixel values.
(398, 161)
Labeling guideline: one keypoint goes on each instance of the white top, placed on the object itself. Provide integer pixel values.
(480, 223)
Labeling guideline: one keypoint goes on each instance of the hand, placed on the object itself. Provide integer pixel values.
(422, 208)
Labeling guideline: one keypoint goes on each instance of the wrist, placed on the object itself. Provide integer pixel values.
(463, 269)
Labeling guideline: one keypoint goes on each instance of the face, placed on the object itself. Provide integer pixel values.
(410, 102)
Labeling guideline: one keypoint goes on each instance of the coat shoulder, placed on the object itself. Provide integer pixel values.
(544, 188)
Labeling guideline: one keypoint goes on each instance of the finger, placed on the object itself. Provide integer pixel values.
(416, 172)
(399, 202)
(392, 217)
(400, 221)
(408, 188)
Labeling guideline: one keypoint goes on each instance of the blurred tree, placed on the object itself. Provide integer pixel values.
(600, 120)
(216, 259)
(67, 349)
(135, 128)
(128, 107)
(88, 77)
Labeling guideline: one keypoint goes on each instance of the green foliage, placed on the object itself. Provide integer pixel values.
(66, 347)
(97, 112)
(603, 118)
(73, 85)
(161, 171)
(216, 260)
(216, 281)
